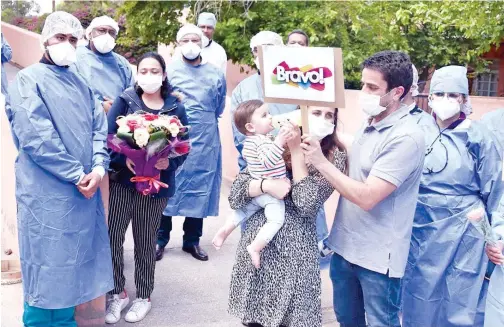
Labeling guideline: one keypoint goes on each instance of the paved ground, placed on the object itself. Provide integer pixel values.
(188, 293)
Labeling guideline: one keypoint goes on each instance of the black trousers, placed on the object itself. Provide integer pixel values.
(126, 204)
(193, 230)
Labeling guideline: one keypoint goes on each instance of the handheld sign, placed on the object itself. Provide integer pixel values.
(302, 75)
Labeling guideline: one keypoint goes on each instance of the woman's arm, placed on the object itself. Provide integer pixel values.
(245, 188)
(239, 195)
(299, 169)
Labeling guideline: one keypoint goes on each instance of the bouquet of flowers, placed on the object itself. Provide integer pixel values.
(145, 138)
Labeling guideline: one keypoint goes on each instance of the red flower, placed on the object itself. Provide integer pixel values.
(150, 117)
(182, 148)
(132, 124)
(174, 120)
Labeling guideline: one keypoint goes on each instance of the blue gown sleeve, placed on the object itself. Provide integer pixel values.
(485, 151)
(498, 220)
(34, 130)
(6, 50)
(129, 73)
(100, 152)
(221, 105)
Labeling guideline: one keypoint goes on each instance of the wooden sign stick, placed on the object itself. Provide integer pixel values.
(304, 119)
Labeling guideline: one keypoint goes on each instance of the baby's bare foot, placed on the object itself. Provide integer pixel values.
(219, 238)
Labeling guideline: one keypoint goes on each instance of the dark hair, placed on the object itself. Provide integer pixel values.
(395, 66)
(331, 142)
(165, 87)
(298, 31)
(244, 113)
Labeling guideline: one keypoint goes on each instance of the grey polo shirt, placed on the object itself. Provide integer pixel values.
(379, 240)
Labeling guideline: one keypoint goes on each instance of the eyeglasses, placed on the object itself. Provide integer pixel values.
(436, 157)
(105, 30)
(450, 95)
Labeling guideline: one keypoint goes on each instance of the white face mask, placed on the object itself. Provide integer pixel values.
(104, 43)
(444, 108)
(370, 104)
(150, 83)
(190, 50)
(62, 54)
(319, 127)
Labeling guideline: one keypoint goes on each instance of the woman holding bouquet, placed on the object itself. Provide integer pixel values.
(150, 95)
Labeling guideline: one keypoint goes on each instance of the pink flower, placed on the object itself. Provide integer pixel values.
(150, 117)
(133, 124)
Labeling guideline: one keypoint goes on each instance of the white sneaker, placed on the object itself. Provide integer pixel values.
(138, 310)
(115, 307)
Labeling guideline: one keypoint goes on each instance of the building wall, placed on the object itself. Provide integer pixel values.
(498, 54)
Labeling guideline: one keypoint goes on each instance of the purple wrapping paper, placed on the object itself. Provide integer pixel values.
(144, 165)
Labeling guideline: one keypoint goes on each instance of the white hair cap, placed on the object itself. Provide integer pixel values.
(60, 22)
(265, 37)
(207, 19)
(192, 29)
(101, 21)
(189, 29)
(414, 86)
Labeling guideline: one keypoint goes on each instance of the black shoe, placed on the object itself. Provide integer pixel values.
(159, 252)
(196, 252)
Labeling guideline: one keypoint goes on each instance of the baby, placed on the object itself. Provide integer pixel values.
(264, 161)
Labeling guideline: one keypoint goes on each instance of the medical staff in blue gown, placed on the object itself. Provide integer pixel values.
(6, 57)
(444, 284)
(61, 139)
(107, 73)
(494, 310)
(198, 181)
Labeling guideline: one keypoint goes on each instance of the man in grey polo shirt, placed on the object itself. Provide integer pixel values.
(372, 228)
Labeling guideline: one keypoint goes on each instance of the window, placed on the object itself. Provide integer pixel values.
(486, 84)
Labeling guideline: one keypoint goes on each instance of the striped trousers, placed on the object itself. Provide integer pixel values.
(126, 204)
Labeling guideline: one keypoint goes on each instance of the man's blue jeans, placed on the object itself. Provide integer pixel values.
(359, 293)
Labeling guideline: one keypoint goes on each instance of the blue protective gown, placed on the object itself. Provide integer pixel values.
(199, 179)
(251, 89)
(108, 74)
(6, 57)
(63, 238)
(494, 310)
(444, 281)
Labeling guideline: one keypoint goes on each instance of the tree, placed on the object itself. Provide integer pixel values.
(432, 33)
(18, 8)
